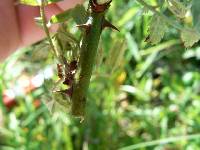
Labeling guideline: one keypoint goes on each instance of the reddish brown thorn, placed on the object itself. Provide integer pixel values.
(109, 25)
(73, 65)
(68, 81)
(60, 71)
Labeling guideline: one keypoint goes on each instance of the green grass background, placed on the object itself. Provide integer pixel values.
(141, 96)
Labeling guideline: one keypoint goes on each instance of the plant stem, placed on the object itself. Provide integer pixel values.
(44, 22)
(169, 21)
(87, 60)
(59, 56)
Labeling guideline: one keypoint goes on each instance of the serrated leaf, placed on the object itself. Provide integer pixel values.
(78, 13)
(196, 14)
(190, 36)
(177, 8)
(40, 51)
(56, 102)
(37, 2)
(157, 29)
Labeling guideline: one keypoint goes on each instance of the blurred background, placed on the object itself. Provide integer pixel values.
(141, 96)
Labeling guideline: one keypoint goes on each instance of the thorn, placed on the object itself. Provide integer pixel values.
(106, 23)
(69, 78)
(84, 26)
(73, 65)
(60, 71)
(67, 82)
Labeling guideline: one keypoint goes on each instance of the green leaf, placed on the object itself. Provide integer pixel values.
(196, 14)
(177, 8)
(55, 102)
(40, 51)
(133, 47)
(78, 13)
(62, 17)
(6, 137)
(190, 36)
(37, 2)
(66, 44)
(157, 29)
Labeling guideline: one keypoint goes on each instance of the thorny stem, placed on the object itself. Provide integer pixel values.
(87, 60)
(169, 21)
(88, 51)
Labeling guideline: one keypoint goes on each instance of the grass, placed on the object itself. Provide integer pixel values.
(138, 93)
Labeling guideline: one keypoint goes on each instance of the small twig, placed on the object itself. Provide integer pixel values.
(44, 22)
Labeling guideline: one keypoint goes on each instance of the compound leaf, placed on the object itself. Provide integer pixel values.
(189, 36)
(177, 8)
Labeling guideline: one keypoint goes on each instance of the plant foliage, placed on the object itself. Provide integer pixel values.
(141, 96)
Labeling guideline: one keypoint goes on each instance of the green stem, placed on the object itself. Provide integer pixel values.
(56, 52)
(87, 60)
(169, 21)
(44, 22)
